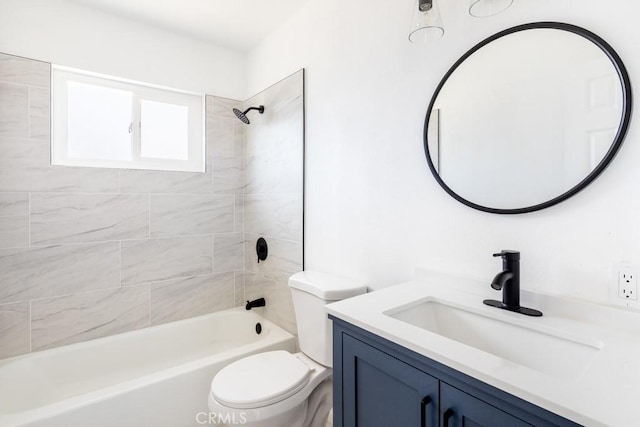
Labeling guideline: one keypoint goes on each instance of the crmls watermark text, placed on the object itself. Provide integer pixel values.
(213, 418)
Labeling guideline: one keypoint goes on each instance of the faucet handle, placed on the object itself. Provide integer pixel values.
(508, 254)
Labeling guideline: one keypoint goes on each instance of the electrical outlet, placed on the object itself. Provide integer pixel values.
(624, 286)
(627, 285)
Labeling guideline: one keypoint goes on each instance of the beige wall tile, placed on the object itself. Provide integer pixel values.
(222, 107)
(239, 289)
(14, 204)
(14, 329)
(143, 181)
(274, 215)
(14, 220)
(175, 215)
(228, 175)
(14, 231)
(14, 110)
(73, 218)
(39, 113)
(194, 296)
(168, 258)
(239, 213)
(25, 166)
(228, 252)
(274, 150)
(49, 271)
(75, 318)
(24, 71)
(220, 137)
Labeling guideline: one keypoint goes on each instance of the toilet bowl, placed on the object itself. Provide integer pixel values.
(280, 389)
(272, 389)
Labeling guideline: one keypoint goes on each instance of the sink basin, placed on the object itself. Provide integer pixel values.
(526, 343)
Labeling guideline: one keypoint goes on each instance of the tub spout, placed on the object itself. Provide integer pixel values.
(260, 302)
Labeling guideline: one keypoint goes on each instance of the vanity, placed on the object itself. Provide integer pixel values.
(385, 385)
(428, 352)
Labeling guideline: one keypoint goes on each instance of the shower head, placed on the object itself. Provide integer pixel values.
(242, 115)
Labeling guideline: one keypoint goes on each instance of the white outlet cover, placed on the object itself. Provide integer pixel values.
(617, 271)
(627, 285)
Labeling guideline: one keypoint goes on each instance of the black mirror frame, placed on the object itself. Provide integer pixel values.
(611, 153)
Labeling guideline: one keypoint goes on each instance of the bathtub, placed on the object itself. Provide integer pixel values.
(158, 376)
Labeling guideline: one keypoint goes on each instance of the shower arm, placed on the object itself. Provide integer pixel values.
(260, 109)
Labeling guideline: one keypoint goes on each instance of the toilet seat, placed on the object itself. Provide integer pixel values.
(260, 380)
(290, 411)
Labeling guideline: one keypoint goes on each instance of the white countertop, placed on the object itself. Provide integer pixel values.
(605, 393)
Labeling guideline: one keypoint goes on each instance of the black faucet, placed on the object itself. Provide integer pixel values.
(260, 302)
(508, 280)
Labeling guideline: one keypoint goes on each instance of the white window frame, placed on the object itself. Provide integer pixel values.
(195, 103)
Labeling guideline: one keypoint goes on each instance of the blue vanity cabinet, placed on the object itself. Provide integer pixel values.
(382, 391)
(377, 383)
(461, 409)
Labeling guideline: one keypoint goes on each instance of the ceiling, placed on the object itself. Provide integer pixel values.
(235, 24)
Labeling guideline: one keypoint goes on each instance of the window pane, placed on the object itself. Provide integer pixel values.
(164, 130)
(98, 122)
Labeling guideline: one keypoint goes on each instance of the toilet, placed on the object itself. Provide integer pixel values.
(277, 388)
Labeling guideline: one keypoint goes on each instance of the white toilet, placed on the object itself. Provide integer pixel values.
(280, 389)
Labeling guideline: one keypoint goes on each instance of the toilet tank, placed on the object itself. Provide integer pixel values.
(311, 291)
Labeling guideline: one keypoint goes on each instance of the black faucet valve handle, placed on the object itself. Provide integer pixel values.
(508, 254)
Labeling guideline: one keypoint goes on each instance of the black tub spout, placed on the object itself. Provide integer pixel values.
(260, 302)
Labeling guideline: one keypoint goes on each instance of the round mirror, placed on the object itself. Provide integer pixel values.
(527, 118)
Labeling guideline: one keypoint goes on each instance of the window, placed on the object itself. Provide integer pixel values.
(106, 122)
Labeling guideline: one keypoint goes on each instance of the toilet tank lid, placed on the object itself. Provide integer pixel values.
(325, 286)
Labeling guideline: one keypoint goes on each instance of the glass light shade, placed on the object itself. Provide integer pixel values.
(486, 8)
(426, 26)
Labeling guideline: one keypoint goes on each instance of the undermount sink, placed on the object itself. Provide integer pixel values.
(521, 342)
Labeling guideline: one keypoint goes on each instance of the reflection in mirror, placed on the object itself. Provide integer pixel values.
(527, 118)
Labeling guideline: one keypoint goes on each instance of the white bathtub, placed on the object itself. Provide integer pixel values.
(158, 376)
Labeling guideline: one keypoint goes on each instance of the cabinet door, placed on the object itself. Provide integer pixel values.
(460, 409)
(381, 391)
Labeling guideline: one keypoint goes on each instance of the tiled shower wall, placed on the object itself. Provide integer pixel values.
(274, 196)
(88, 252)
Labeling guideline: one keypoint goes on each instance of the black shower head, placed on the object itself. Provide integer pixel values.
(242, 115)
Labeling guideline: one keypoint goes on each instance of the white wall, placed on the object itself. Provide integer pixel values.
(373, 210)
(69, 34)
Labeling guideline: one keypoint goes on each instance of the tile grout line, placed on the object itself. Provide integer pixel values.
(235, 290)
(98, 242)
(30, 327)
(235, 213)
(149, 214)
(115, 287)
(120, 263)
(28, 111)
(13, 82)
(29, 219)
